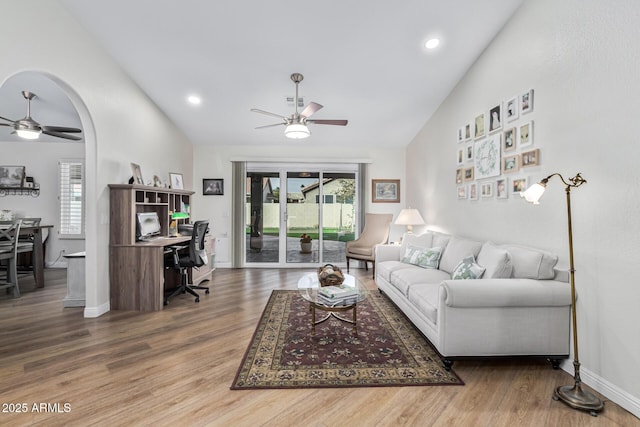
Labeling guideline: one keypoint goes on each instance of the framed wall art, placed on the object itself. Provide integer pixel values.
(468, 174)
(511, 109)
(176, 180)
(495, 118)
(12, 176)
(518, 185)
(385, 190)
(459, 175)
(511, 164)
(460, 136)
(509, 140)
(526, 102)
(212, 187)
(469, 153)
(487, 157)
(486, 190)
(502, 187)
(530, 158)
(137, 174)
(462, 192)
(460, 156)
(525, 134)
(467, 131)
(473, 191)
(478, 126)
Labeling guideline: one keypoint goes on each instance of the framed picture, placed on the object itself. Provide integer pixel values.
(511, 164)
(460, 156)
(12, 176)
(530, 158)
(176, 181)
(385, 190)
(212, 187)
(487, 156)
(495, 118)
(469, 153)
(509, 140)
(518, 185)
(459, 175)
(137, 174)
(462, 192)
(468, 174)
(478, 127)
(460, 136)
(511, 109)
(473, 191)
(486, 190)
(525, 134)
(502, 185)
(467, 131)
(526, 102)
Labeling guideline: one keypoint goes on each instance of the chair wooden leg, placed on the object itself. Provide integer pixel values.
(347, 265)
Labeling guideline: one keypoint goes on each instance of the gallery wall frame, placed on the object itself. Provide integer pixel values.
(385, 190)
(530, 158)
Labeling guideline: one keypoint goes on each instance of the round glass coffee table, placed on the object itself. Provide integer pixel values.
(308, 286)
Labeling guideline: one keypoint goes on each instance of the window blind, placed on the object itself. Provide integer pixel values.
(71, 196)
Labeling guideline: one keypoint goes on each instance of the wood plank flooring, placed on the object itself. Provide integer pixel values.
(175, 367)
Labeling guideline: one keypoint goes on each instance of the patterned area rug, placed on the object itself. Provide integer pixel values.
(387, 350)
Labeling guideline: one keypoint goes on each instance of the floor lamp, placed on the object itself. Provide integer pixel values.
(574, 396)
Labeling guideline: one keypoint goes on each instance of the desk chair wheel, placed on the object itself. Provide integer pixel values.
(198, 299)
(207, 292)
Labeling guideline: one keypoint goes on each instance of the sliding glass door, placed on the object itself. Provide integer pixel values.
(299, 217)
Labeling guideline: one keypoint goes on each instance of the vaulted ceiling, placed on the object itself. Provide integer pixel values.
(365, 61)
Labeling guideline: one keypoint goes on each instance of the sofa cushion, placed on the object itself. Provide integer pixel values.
(385, 268)
(531, 263)
(403, 279)
(361, 250)
(425, 298)
(467, 269)
(441, 240)
(496, 261)
(424, 240)
(458, 249)
(422, 257)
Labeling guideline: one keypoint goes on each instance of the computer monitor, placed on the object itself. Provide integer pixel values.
(148, 225)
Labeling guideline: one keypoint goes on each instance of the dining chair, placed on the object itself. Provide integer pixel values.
(25, 244)
(9, 235)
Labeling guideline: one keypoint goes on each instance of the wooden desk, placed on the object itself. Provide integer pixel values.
(38, 251)
(137, 274)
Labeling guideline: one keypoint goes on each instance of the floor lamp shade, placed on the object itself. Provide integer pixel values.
(409, 217)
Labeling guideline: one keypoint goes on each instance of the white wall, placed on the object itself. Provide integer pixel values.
(121, 125)
(215, 162)
(41, 162)
(582, 59)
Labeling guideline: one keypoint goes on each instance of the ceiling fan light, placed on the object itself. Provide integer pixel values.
(28, 133)
(297, 131)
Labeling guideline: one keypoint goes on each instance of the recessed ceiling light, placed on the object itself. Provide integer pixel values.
(195, 100)
(432, 43)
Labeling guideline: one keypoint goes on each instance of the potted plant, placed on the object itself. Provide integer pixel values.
(305, 244)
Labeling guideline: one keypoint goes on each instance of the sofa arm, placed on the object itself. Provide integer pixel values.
(387, 253)
(505, 293)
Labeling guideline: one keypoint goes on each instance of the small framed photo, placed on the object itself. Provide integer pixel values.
(478, 126)
(461, 156)
(525, 134)
(467, 131)
(460, 136)
(473, 191)
(12, 176)
(511, 109)
(459, 175)
(530, 158)
(518, 185)
(468, 174)
(462, 192)
(486, 190)
(502, 186)
(495, 118)
(137, 174)
(526, 102)
(509, 140)
(212, 187)
(469, 153)
(511, 164)
(385, 190)
(176, 180)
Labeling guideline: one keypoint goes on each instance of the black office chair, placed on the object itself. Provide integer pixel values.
(197, 257)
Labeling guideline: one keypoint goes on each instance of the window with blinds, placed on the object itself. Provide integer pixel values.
(71, 198)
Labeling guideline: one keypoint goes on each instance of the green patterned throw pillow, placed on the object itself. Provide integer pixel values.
(467, 269)
(422, 257)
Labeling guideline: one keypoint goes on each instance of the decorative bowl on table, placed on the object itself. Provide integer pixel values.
(330, 275)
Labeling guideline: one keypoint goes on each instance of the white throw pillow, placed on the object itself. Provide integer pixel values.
(422, 257)
(531, 263)
(496, 261)
(467, 269)
(458, 249)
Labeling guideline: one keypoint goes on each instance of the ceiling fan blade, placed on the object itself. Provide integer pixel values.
(6, 124)
(329, 122)
(256, 110)
(60, 129)
(4, 118)
(61, 135)
(310, 109)
(270, 126)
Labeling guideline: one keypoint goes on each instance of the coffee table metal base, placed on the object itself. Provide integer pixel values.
(332, 313)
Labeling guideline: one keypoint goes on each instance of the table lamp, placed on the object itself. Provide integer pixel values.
(409, 217)
(173, 227)
(574, 396)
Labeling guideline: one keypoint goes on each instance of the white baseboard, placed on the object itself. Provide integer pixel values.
(610, 391)
(97, 311)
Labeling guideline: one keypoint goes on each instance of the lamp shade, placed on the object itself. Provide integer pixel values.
(28, 133)
(409, 217)
(179, 215)
(533, 193)
(296, 131)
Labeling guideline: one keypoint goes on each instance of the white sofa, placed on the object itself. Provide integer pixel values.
(520, 305)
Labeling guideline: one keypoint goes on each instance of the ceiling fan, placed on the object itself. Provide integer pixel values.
(296, 123)
(28, 128)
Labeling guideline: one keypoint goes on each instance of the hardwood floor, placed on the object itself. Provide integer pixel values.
(175, 367)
